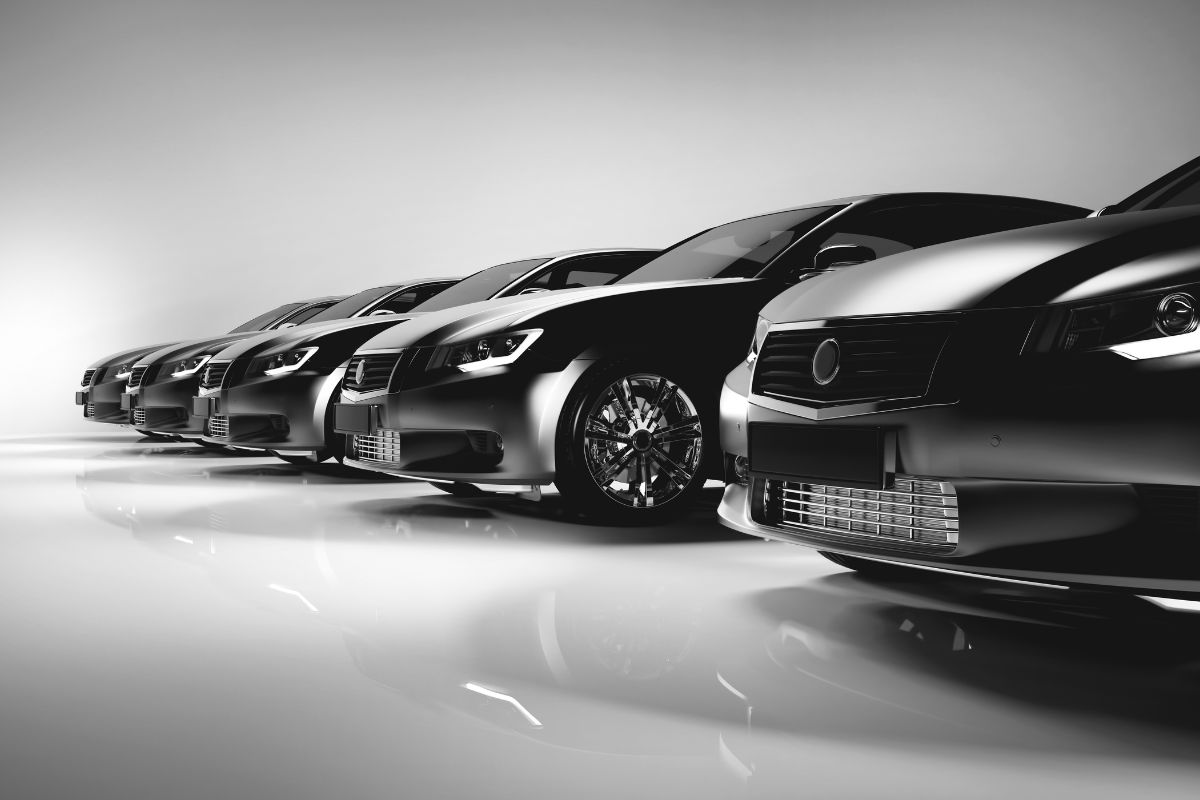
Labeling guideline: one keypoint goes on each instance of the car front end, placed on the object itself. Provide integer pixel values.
(273, 392)
(103, 383)
(1040, 428)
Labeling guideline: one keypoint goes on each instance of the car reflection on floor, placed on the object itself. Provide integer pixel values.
(681, 642)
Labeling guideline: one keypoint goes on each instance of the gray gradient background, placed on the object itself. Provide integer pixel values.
(168, 169)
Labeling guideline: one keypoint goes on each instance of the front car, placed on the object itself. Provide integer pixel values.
(274, 393)
(614, 390)
(1019, 406)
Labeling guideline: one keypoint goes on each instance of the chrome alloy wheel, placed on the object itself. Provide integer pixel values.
(642, 441)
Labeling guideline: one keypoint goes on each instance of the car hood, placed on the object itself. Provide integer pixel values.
(304, 335)
(133, 354)
(193, 347)
(1058, 263)
(507, 313)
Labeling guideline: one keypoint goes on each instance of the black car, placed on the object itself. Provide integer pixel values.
(274, 392)
(1020, 406)
(612, 393)
(106, 380)
(162, 383)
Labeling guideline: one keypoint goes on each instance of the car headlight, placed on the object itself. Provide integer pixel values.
(1126, 320)
(279, 363)
(189, 366)
(124, 370)
(489, 351)
(760, 336)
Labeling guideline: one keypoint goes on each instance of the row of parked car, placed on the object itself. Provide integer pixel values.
(988, 385)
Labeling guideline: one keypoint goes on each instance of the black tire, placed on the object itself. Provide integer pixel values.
(691, 446)
(460, 489)
(876, 569)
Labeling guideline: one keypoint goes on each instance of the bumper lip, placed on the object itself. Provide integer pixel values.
(734, 512)
(482, 478)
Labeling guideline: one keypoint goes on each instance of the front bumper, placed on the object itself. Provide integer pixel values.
(1054, 479)
(165, 406)
(286, 413)
(102, 401)
(494, 426)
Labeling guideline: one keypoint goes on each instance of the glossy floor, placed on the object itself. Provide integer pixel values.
(184, 623)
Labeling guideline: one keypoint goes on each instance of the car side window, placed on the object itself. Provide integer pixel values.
(596, 270)
(892, 230)
(301, 317)
(1187, 195)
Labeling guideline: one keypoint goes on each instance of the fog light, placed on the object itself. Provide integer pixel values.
(499, 443)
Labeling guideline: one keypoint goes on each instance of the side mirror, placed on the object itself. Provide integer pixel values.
(841, 255)
(286, 325)
(381, 312)
(1100, 212)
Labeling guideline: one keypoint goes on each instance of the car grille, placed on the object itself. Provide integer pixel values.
(137, 377)
(214, 373)
(377, 369)
(877, 361)
(382, 446)
(89, 410)
(87, 377)
(218, 427)
(915, 511)
(139, 417)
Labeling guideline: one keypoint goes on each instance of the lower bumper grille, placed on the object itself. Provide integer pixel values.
(89, 409)
(139, 417)
(218, 427)
(915, 511)
(382, 446)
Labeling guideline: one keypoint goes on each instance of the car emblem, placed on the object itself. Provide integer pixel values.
(360, 372)
(826, 361)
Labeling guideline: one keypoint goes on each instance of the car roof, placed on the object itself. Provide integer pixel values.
(901, 198)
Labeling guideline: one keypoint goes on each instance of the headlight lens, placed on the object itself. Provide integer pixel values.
(279, 363)
(760, 336)
(189, 366)
(490, 351)
(1129, 319)
(124, 371)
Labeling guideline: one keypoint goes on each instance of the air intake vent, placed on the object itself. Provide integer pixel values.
(89, 410)
(870, 362)
(138, 376)
(87, 377)
(218, 427)
(372, 372)
(915, 511)
(139, 417)
(214, 374)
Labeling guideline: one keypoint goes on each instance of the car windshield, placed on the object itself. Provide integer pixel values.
(263, 320)
(483, 285)
(1179, 187)
(344, 309)
(738, 250)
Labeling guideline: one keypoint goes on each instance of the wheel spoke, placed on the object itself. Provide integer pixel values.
(614, 465)
(624, 393)
(666, 393)
(678, 475)
(688, 424)
(600, 430)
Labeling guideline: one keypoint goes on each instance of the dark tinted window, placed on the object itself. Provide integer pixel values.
(736, 250)
(893, 230)
(301, 317)
(263, 320)
(588, 270)
(1187, 194)
(352, 305)
(483, 285)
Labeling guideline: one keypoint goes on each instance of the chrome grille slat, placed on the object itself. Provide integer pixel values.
(87, 377)
(878, 361)
(139, 416)
(89, 410)
(218, 427)
(377, 372)
(137, 376)
(214, 374)
(913, 511)
(382, 446)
